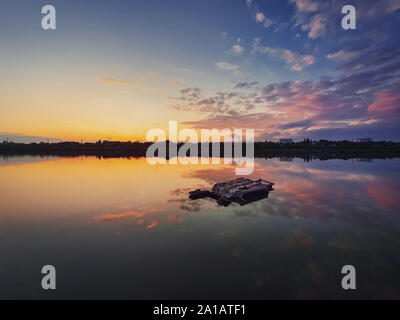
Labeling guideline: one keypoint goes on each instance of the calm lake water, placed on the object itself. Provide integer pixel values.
(121, 228)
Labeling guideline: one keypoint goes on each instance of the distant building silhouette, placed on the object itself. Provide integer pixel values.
(285, 140)
(364, 140)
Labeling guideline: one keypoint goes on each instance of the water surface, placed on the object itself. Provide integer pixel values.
(121, 228)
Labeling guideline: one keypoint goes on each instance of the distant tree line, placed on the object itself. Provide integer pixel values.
(306, 149)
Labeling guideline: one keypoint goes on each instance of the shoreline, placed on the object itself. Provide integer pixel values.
(306, 150)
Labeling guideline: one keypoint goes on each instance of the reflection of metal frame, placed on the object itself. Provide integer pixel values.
(241, 190)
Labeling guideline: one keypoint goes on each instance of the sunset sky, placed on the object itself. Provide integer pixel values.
(115, 69)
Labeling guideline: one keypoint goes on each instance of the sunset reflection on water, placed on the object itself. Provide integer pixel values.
(99, 218)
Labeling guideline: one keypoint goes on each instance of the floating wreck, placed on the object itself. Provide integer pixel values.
(241, 190)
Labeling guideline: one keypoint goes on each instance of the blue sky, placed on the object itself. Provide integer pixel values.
(119, 68)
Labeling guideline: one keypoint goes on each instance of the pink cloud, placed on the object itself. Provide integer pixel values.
(307, 5)
(316, 26)
(260, 17)
(343, 55)
(386, 102)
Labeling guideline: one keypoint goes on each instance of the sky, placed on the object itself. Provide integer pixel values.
(116, 69)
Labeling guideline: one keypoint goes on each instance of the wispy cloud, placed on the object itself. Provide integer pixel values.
(119, 82)
(343, 54)
(386, 102)
(306, 5)
(316, 26)
(260, 16)
(152, 74)
(176, 81)
(219, 103)
(245, 85)
(268, 22)
(237, 50)
(297, 62)
(182, 69)
(226, 66)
